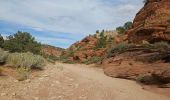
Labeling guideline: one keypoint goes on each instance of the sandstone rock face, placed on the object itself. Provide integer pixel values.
(51, 51)
(152, 23)
(86, 49)
(125, 66)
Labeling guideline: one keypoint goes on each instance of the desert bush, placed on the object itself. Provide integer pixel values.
(22, 42)
(120, 48)
(1, 40)
(162, 49)
(161, 45)
(123, 29)
(145, 79)
(3, 56)
(28, 60)
(92, 60)
(101, 42)
(23, 73)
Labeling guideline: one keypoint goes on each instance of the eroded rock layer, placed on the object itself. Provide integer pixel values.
(152, 23)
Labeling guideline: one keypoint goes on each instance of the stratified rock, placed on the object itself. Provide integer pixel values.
(152, 23)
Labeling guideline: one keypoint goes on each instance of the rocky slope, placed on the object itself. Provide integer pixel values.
(51, 50)
(152, 22)
(89, 47)
(151, 25)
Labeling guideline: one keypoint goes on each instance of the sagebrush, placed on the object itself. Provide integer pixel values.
(28, 60)
(3, 56)
(92, 60)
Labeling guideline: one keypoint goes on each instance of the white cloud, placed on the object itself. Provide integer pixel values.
(69, 16)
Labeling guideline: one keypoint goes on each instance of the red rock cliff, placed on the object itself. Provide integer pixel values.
(152, 22)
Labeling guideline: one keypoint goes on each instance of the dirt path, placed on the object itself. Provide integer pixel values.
(73, 82)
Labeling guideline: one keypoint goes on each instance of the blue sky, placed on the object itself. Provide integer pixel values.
(63, 22)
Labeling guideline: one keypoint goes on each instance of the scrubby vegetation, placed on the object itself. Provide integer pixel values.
(146, 79)
(22, 53)
(23, 73)
(3, 56)
(26, 60)
(101, 43)
(122, 29)
(120, 48)
(92, 60)
(159, 50)
(21, 42)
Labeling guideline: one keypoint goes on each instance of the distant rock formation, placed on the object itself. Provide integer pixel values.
(51, 50)
(152, 23)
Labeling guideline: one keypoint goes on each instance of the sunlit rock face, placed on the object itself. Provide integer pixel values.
(152, 23)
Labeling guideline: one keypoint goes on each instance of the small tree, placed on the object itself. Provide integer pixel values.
(101, 43)
(127, 25)
(122, 29)
(97, 31)
(1, 41)
(22, 42)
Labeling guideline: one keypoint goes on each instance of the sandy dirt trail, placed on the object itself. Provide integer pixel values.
(73, 82)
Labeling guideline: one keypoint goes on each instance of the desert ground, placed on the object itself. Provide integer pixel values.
(73, 82)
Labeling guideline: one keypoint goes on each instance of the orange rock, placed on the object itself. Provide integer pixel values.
(151, 23)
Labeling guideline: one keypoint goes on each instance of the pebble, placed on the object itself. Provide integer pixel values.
(13, 94)
(76, 85)
(36, 98)
(57, 82)
(3, 94)
(41, 78)
(16, 81)
(28, 80)
(82, 97)
(45, 75)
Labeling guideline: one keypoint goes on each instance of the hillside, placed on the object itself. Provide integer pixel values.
(93, 47)
(51, 50)
(145, 56)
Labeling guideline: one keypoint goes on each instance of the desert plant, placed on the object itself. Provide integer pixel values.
(3, 56)
(92, 60)
(23, 73)
(120, 48)
(122, 29)
(161, 45)
(1, 41)
(22, 42)
(28, 60)
(101, 42)
(145, 79)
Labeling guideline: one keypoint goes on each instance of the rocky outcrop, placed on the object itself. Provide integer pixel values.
(127, 67)
(51, 50)
(152, 23)
(86, 49)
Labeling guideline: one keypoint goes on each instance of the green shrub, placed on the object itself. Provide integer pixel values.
(101, 42)
(1, 40)
(147, 79)
(3, 56)
(92, 60)
(22, 42)
(23, 73)
(120, 48)
(123, 29)
(161, 45)
(28, 60)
